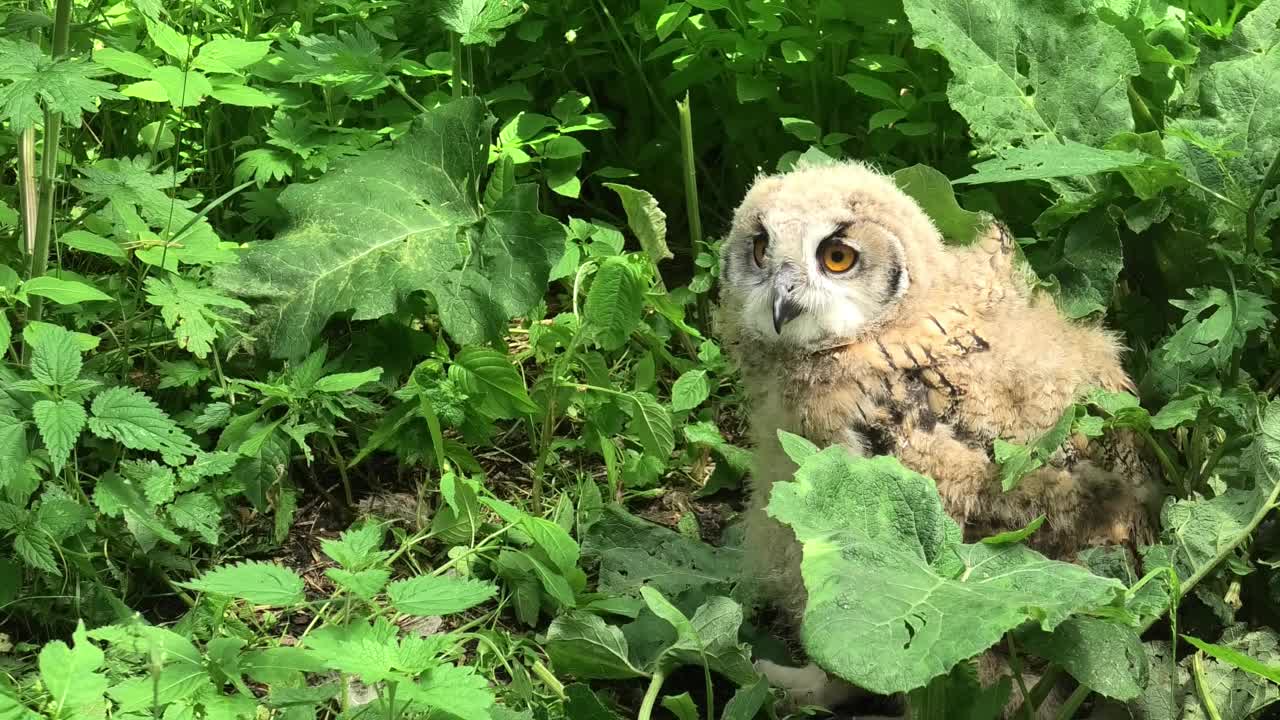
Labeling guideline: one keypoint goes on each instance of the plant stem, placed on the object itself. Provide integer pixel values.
(552, 681)
(1073, 703)
(691, 192)
(342, 470)
(1202, 687)
(1251, 215)
(39, 261)
(651, 695)
(1015, 663)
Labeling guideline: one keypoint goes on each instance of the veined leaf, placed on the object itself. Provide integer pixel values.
(397, 220)
(60, 423)
(131, 418)
(71, 676)
(56, 360)
(646, 220)
(438, 594)
(457, 691)
(345, 382)
(63, 292)
(1045, 160)
(651, 422)
(870, 522)
(31, 80)
(690, 390)
(614, 303)
(584, 645)
(258, 583)
(187, 310)
(932, 191)
(1024, 70)
(490, 379)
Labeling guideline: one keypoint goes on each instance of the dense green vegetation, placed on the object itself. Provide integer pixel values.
(358, 359)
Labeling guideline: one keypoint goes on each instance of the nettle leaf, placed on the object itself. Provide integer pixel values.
(615, 303)
(454, 690)
(357, 547)
(56, 359)
(438, 594)
(187, 310)
(31, 80)
(128, 416)
(646, 220)
(398, 220)
(258, 583)
(870, 522)
(199, 513)
(1022, 71)
(60, 423)
(493, 382)
(365, 584)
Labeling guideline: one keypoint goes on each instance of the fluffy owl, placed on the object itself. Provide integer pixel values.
(853, 324)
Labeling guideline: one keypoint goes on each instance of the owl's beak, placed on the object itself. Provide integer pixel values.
(785, 307)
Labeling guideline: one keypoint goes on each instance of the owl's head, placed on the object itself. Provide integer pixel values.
(820, 255)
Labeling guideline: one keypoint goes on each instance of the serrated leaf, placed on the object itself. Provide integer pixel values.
(870, 522)
(32, 80)
(646, 220)
(438, 594)
(63, 292)
(652, 423)
(614, 303)
(116, 497)
(491, 380)
(690, 390)
(36, 549)
(188, 311)
(60, 423)
(198, 512)
(257, 583)
(457, 691)
(398, 220)
(356, 547)
(480, 21)
(56, 360)
(1024, 70)
(365, 584)
(131, 418)
(174, 44)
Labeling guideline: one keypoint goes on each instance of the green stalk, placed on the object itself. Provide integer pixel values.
(651, 695)
(1202, 687)
(1251, 215)
(48, 166)
(691, 192)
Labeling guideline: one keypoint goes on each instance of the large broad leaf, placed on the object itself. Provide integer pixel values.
(1025, 70)
(872, 523)
(933, 193)
(634, 553)
(401, 219)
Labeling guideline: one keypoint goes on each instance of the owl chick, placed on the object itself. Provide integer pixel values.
(853, 324)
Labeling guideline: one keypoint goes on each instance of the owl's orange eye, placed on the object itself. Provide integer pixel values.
(836, 257)
(761, 242)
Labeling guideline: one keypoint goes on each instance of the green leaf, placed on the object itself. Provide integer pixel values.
(797, 448)
(870, 522)
(60, 423)
(1023, 71)
(583, 645)
(36, 549)
(670, 19)
(128, 416)
(1237, 659)
(85, 241)
(346, 382)
(230, 55)
(56, 359)
(646, 220)
(457, 691)
(235, 92)
(1045, 160)
(554, 540)
(493, 383)
(257, 583)
(187, 310)
(652, 423)
(71, 677)
(1105, 656)
(747, 701)
(1085, 264)
(357, 547)
(805, 130)
(933, 193)
(398, 220)
(690, 390)
(63, 292)
(31, 80)
(174, 44)
(480, 21)
(438, 594)
(633, 553)
(682, 705)
(115, 498)
(182, 89)
(124, 62)
(365, 584)
(614, 303)
(1015, 536)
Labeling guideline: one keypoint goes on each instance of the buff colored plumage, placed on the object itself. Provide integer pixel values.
(920, 350)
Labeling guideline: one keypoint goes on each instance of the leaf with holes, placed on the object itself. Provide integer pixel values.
(870, 522)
